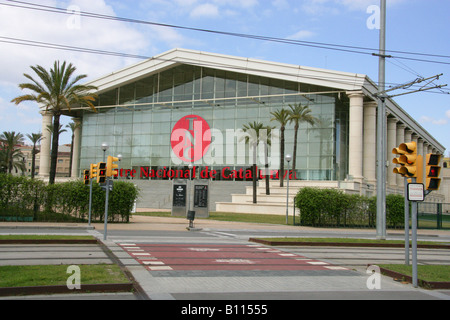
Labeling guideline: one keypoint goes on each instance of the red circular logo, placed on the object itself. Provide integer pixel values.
(191, 138)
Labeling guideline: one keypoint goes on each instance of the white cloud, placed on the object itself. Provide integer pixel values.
(315, 7)
(302, 34)
(206, 10)
(448, 114)
(72, 30)
(438, 122)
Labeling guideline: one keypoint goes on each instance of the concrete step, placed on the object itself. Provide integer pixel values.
(272, 198)
(259, 208)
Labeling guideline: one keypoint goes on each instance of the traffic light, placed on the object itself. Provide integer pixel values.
(87, 177)
(433, 170)
(93, 171)
(110, 166)
(408, 159)
(101, 176)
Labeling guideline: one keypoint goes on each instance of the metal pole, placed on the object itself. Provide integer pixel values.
(406, 224)
(381, 130)
(106, 209)
(90, 201)
(287, 195)
(414, 244)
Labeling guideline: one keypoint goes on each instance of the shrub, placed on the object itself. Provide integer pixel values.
(69, 201)
(331, 207)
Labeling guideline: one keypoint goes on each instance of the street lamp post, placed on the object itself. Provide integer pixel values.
(105, 147)
(118, 172)
(288, 160)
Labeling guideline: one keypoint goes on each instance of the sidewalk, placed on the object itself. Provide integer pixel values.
(180, 224)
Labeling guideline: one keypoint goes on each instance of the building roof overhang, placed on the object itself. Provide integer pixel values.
(341, 81)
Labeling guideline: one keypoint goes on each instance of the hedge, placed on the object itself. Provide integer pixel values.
(22, 197)
(333, 208)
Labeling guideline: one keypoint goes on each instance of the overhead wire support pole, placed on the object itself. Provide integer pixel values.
(381, 129)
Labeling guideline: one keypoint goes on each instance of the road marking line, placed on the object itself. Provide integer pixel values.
(159, 268)
(287, 254)
(140, 254)
(153, 262)
(317, 262)
(335, 268)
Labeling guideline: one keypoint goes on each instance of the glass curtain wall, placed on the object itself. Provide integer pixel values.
(136, 119)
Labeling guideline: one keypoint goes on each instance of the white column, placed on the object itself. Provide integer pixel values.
(44, 155)
(370, 142)
(355, 153)
(76, 148)
(391, 144)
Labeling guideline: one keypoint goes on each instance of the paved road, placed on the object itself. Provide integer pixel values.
(229, 274)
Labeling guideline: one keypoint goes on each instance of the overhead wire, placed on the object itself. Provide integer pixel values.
(320, 45)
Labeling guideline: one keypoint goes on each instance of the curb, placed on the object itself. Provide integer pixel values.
(338, 244)
(87, 288)
(422, 283)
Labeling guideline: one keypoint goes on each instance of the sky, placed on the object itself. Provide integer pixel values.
(413, 26)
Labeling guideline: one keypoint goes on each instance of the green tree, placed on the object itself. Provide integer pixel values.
(57, 90)
(299, 114)
(283, 118)
(35, 138)
(11, 155)
(256, 133)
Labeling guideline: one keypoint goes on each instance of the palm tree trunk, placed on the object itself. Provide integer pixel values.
(294, 162)
(266, 166)
(55, 142)
(254, 175)
(281, 175)
(33, 160)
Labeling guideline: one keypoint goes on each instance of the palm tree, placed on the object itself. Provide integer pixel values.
(255, 133)
(35, 138)
(252, 137)
(299, 114)
(12, 157)
(57, 91)
(282, 116)
(73, 126)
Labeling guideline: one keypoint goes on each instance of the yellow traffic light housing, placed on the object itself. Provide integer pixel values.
(93, 171)
(101, 176)
(433, 170)
(87, 177)
(110, 166)
(408, 160)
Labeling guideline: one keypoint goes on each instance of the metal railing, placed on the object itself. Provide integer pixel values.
(433, 215)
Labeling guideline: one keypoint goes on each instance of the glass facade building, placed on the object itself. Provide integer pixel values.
(136, 119)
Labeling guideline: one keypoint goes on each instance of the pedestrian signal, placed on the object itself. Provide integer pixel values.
(433, 170)
(87, 177)
(101, 177)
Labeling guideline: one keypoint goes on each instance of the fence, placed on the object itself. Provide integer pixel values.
(433, 215)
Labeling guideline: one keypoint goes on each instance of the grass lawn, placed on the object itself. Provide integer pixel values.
(44, 237)
(430, 273)
(343, 240)
(30, 276)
